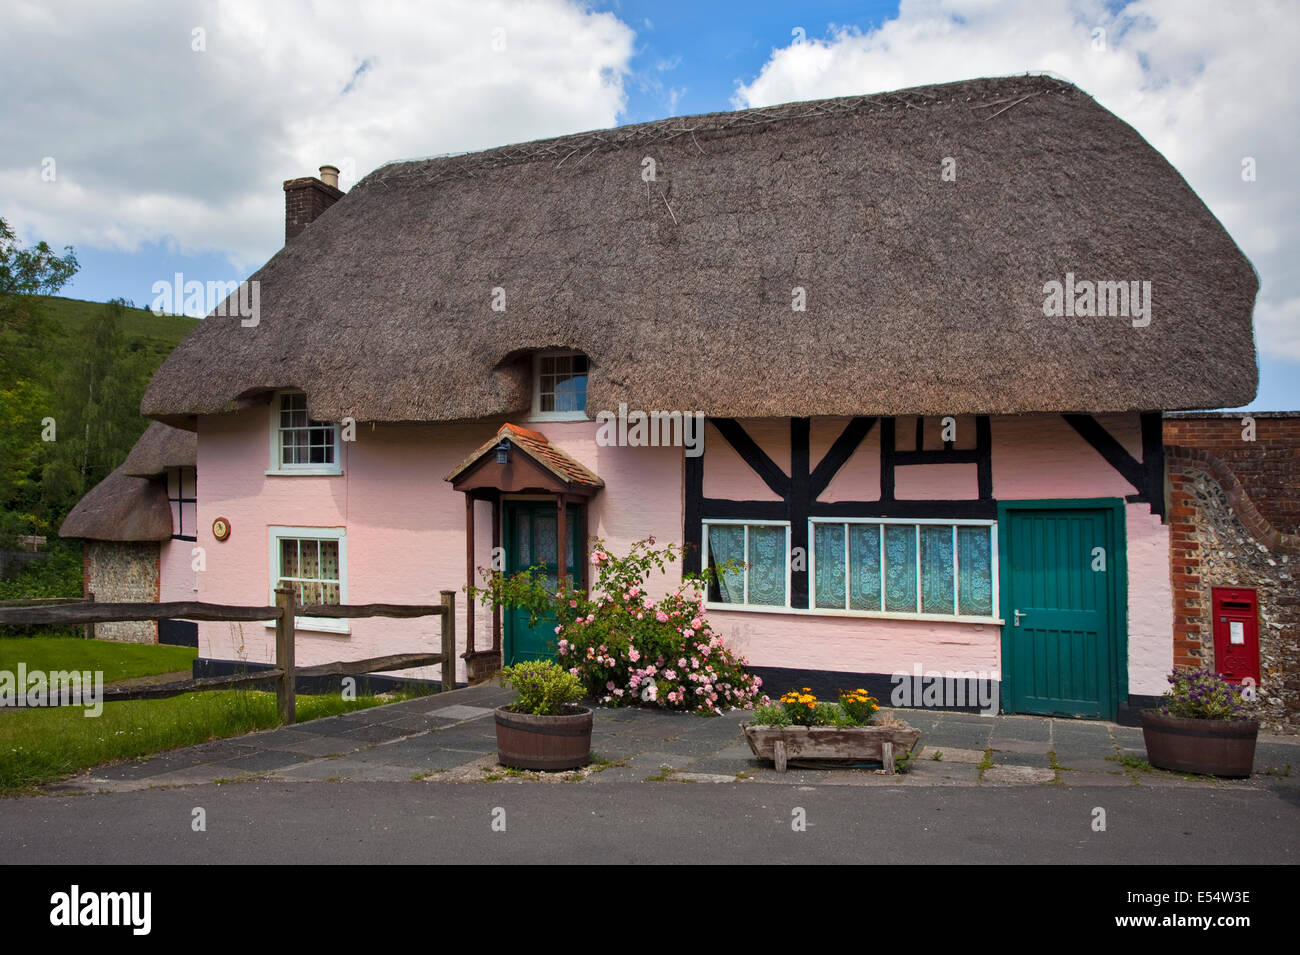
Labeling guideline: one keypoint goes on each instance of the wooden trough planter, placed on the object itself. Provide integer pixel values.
(816, 746)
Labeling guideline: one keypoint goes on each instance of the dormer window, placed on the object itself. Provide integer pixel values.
(559, 386)
(299, 444)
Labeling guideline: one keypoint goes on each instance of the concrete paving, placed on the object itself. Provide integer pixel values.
(452, 737)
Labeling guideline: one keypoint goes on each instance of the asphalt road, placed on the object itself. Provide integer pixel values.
(432, 822)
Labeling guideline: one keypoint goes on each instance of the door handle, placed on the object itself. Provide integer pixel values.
(1018, 616)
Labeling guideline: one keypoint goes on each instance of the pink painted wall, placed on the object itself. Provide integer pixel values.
(176, 578)
(405, 535)
(405, 526)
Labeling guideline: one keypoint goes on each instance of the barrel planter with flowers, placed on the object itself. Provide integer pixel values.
(1202, 726)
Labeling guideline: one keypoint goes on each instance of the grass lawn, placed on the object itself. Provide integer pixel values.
(41, 745)
(118, 661)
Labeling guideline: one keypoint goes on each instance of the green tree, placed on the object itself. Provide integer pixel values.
(26, 369)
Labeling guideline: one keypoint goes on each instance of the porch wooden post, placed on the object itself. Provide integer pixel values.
(284, 633)
(469, 576)
(497, 543)
(562, 542)
(584, 575)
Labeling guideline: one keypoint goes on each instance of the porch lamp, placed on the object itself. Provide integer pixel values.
(503, 451)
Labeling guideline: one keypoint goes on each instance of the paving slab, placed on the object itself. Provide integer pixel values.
(1013, 745)
(1017, 776)
(459, 711)
(1041, 760)
(1084, 779)
(258, 762)
(1090, 765)
(950, 754)
(1019, 729)
(377, 733)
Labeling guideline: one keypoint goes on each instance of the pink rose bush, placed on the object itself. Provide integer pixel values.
(626, 647)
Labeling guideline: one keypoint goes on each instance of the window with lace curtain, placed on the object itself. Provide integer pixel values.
(760, 576)
(313, 563)
(928, 568)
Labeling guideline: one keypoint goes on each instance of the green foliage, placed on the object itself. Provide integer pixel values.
(59, 575)
(1202, 694)
(626, 646)
(771, 714)
(860, 706)
(544, 687)
(33, 271)
(802, 708)
(75, 372)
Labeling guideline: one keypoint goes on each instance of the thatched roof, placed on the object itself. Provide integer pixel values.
(121, 508)
(923, 295)
(159, 448)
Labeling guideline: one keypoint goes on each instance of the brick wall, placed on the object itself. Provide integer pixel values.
(1268, 467)
(304, 200)
(1233, 506)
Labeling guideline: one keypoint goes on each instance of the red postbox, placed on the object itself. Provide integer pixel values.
(1236, 633)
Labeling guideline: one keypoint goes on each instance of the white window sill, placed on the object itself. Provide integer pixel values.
(298, 472)
(332, 625)
(865, 614)
(559, 416)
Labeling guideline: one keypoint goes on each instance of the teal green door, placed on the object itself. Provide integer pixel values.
(530, 529)
(1060, 602)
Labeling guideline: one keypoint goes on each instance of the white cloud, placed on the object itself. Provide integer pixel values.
(1207, 84)
(155, 141)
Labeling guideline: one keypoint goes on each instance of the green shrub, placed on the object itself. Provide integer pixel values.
(771, 714)
(544, 687)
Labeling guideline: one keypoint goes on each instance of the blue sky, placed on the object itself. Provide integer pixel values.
(171, 146)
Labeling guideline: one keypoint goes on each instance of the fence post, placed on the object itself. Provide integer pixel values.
(449, 640)
(89, 632)
(284, 633)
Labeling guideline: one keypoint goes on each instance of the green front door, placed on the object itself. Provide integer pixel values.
(1062, 598)
(531, 537)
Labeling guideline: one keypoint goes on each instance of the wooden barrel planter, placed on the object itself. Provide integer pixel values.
(823, 746)
(1209, 747)
(525, 741)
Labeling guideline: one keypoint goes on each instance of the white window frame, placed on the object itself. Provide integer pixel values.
(995, 618)
(278, 467)
(537, 413)
(761, 608)
(277, 533)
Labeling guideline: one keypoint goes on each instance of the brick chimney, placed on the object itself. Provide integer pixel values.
(305, 199)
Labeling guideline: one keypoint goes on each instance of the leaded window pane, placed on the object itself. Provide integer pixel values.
(864, 566)
(766, 561)
(727, 542)
(828, 545)
(975, 573)
(900, 567)
(936, 569)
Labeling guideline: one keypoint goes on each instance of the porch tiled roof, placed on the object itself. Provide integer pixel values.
(539, 448)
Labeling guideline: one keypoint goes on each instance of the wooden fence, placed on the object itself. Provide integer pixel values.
(284, 672)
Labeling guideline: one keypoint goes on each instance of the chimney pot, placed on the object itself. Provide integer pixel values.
(307, 198)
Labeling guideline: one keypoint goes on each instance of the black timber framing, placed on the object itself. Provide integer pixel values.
(1147, 475)
(798, 492)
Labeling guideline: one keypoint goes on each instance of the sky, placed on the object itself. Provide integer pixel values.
(154, 137)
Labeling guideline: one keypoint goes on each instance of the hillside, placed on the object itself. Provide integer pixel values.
(71, 376)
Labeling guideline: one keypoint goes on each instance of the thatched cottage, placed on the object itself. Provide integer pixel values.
(927, 337)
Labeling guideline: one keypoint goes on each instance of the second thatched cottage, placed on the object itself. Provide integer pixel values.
(929, 335)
